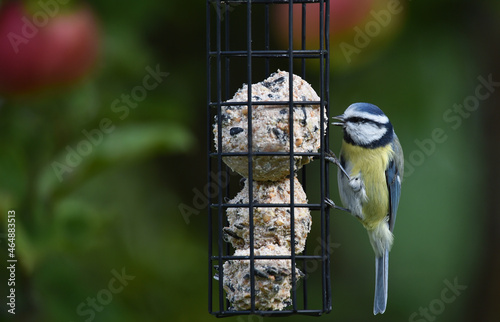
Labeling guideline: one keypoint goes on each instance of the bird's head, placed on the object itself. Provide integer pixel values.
(365, 125)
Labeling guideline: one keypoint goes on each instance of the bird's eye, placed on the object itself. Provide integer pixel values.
(357, 120)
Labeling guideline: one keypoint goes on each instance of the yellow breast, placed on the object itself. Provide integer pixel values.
(371, 164)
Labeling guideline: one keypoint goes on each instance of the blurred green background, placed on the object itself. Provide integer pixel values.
(116, 211)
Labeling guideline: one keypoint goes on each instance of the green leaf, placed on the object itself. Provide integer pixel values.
(97, 151)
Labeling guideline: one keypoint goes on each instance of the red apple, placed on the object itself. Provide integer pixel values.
(49, 47)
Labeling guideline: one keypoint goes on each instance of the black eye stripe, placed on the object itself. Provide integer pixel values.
(358, 120)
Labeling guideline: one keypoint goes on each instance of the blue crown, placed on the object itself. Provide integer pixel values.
(367, 108)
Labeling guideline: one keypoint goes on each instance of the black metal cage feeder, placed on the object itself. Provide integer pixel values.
(239, 50)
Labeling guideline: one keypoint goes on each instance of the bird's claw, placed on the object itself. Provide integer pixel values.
(329, 202)
(330, 156)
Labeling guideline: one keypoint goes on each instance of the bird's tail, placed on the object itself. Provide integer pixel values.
(381, 283)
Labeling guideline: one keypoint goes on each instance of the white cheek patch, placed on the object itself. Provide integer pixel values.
(366, 133)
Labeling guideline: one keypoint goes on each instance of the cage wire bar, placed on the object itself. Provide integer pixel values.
(219, 63)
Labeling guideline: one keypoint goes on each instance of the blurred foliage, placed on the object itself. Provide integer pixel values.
(118, 208)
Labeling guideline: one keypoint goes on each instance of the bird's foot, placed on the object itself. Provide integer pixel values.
(330, 156)
(329, 202)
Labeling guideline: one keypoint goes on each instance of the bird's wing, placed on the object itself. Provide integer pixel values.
(394, 176)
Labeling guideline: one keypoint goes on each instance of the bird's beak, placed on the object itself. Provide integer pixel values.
(341, 120)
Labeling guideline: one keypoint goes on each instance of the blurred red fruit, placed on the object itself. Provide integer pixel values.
(358, 28)
(345, 14)
(46, 48)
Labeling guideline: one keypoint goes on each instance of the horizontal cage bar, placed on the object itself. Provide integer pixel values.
(212, 2)
(287, 103)
(304, 54)
(229, 154)
(264, 205)
(307, 257)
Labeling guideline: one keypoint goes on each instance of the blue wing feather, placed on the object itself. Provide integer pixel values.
(393, 175)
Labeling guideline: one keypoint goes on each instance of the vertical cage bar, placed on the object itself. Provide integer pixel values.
(326, 139)
(226, 47)
(219, 155)
(324, 74)
(226, 94)
(292, 159)
(226, 77)
(322, 169)
(209, 159)
(250, 150)
(304, 172)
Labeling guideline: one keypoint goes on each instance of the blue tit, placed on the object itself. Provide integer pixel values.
(369, 179)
